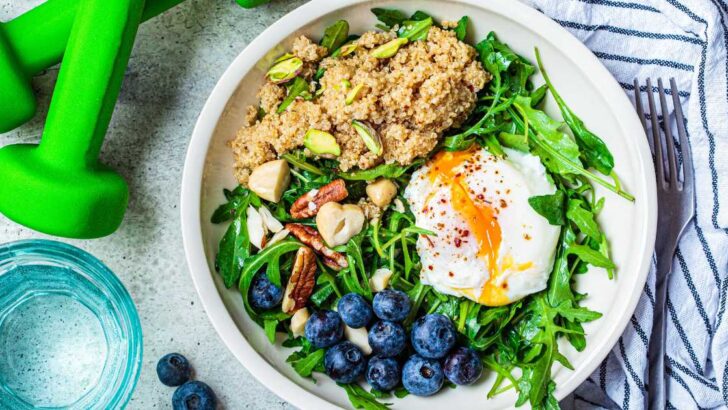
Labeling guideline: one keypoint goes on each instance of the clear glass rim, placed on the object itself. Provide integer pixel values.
(34, 250)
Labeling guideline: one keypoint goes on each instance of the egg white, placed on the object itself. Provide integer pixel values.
(450, 260)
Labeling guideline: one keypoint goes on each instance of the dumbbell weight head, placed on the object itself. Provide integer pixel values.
(16, 96)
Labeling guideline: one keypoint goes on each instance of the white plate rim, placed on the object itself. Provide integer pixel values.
(190, 197)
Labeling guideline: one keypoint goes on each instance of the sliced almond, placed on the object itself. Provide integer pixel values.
(270, 222)
(298, 322)
(256, 229)
(359, 337)
(278, 236)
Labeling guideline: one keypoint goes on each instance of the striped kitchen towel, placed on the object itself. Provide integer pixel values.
(685, 39)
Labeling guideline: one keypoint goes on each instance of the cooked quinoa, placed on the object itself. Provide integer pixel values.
(411, 98)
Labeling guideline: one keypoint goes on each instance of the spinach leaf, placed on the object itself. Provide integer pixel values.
(335, 35)
(269, 327)
(461, 30)
(391, 171)
(306, 363)
(550, 207)
(596, 153)
(227, 211)
(420, 15)
(297, 88)
(389, 17)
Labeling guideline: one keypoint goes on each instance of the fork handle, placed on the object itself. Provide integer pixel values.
(657, 387)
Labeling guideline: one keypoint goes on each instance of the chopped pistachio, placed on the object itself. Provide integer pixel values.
(369, 135)
(321, 143)
(390, 48)
(283, 58)
(285, 70)
(351, 95)
(319, 92)
(345, 50)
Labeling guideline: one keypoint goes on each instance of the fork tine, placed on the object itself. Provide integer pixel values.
(638, 103)
(671, 156)
(684, 143)
(659, 164)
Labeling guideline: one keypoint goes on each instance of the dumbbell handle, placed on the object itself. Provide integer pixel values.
(39, 36)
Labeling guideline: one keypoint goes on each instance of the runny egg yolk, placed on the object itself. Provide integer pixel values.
(449, 168)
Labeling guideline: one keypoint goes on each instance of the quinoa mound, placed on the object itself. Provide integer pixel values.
(410, 99)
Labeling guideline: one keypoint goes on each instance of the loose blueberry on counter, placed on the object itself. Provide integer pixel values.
(194, 395)
(324, 328)
(463, 366)
(433, 336)
(173, 369)
(421, 376)
(392, 305)
(383, 373)
(354, 310)
(344, 362)
(264, 294)
(387, 339)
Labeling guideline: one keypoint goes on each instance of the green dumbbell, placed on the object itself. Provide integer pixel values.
(58, 187)
(33, 42)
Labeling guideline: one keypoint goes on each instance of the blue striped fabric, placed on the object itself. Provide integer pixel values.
(685, 39)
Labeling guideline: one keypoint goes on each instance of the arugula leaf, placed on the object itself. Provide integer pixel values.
(306, 363)
(550, 207)
(269, 327)
(362, 399)
(390, 171)
(596, 153)
(538, 95)
(234, 246)
(579, 313)
(419, 15)
(335, 35)
(297, 88)
(389, 17)
(461, 30)
(503, 63)
(583, 219)
(518, 142)
(591, 256)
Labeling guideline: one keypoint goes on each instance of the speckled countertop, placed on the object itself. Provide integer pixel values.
(177, 59)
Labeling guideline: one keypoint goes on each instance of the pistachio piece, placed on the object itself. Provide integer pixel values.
(285, 70)
(369, 135)
(351, 95)
(270, 179)
(345, 50)
(338, 223)
(381, 192)
(321, 142)
(390, 48)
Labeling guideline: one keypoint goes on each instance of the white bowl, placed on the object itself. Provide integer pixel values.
(581, 79)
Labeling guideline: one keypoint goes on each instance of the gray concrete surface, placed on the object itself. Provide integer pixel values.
(177, 60)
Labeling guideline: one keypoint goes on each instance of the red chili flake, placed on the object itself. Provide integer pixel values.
(480, 197)
(429, 267)
(503, 203)
(458, 242)
(466, 232)
(443, 200)
(508, 191)
(504, 285)
(526, 236)
(451, 274)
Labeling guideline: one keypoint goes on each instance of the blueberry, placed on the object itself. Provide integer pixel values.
(387, 338)
(344, 362)
(324, 328)
(392, 305)
(383, 373)
(463, 366)
(354, 310)
(422, 377)
(433, 336)
(194, 395)
(264, 294)
(173, 369)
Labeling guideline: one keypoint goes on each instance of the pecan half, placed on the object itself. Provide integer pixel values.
(302, 281)
(309, 203)
(312, 238)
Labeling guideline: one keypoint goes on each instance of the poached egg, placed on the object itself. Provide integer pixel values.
(490, 245)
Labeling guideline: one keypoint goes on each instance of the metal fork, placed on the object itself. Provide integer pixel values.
(676, 203)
